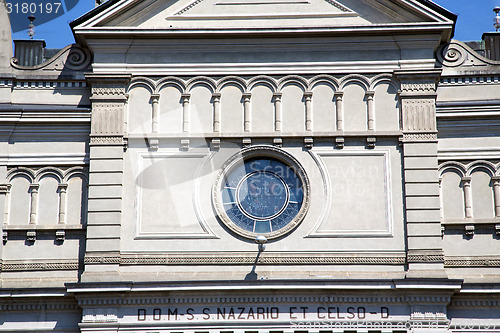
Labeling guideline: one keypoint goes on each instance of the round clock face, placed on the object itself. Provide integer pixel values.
(262, 195)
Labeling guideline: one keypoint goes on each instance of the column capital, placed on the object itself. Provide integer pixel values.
(5, 188)
(466, 180)
(34, 188)
(369, 93)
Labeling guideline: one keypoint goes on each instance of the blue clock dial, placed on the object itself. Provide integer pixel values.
(262, 195)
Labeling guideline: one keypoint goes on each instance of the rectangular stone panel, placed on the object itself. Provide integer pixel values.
(166, 194)
(359, 190)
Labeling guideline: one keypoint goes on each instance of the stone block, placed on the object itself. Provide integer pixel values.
(420, 149)
(426, 243)
(415, 189)
(99, 218)
(99, 152)
(103, 231)
(424, 229)
(106, 165)
(100, 191)
(422, 202)
(416, 162)
(98, 244)
(423, 215)
(421, 176)
(114, 178)
(105, 205)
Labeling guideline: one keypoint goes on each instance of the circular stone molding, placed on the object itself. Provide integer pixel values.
(262, 190)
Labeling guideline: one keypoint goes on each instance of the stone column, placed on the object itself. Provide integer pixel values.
(338, 109)
(185, 112)
(308, 101)
(62, 189)
(5, 191)
(33, 190)
(467, 196)
(421, 180)
(246, 111)
(370, 109)
(277, 112)
(496, 194)
(105, 175)
(216, 104)
(155, 113)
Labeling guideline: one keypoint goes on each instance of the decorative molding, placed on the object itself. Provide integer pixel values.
(191, 5)
(469, 80)
(328, 298)
(419, 137)
(339, 142)
(425, 258)
(247, 142)
(184, 144)
(72, 57)
(458, 55)
(308, 142)
(31, 236)
(52, 304)
(245, 258)
(5, 188)
(428, 311)
(242, 299)
(31, 85)
(153, 143)
(215, 144)
(371, 142)
(92, 259)
(472, 261)
(106, 140)
(100, 315)
(412, 86)
(468, 302)
(339, 6)
(60, 235)
(39, 265)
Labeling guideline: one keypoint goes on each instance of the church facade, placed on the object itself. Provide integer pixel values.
(252, 166)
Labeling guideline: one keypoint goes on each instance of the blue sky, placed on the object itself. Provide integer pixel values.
(474, 18)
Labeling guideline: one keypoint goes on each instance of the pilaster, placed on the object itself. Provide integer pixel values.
(106, 173)
(421, 182)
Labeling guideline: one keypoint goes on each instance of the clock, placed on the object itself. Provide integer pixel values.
(262, 194)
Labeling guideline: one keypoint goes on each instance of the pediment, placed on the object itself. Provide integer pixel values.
(256, 14)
